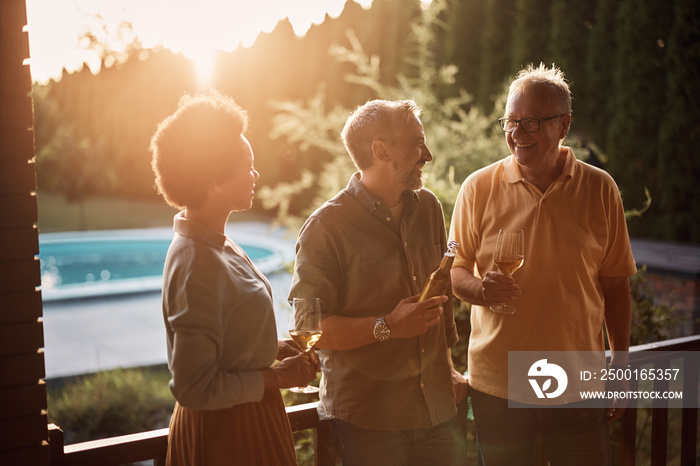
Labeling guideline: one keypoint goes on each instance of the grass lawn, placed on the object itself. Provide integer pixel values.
(100, 213)
(103, 213)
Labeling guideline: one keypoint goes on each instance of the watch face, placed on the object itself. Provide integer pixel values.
(381, 331)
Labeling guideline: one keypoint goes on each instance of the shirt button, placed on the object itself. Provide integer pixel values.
(422, 350)
(422, 385)
(388, 219)
(405, 243)
(415, 278)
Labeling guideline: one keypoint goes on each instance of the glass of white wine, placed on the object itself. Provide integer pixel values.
(508, 256)
(305, 329)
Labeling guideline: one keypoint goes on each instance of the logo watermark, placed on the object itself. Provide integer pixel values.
(586, 378)
(547, 371)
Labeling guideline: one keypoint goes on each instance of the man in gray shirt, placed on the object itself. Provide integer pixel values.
(387, 382)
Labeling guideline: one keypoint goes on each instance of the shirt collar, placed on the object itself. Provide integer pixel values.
(570, 165)
(196, 230)
(511, 172)
(370, 203)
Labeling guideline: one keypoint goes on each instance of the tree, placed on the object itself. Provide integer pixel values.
(530, 39)
(571, 25)
(632, 141)
(495, 51)
(459, 31)
(633, 67)
(77, 166)
(595, 109)
(679, 132)
(459, 134)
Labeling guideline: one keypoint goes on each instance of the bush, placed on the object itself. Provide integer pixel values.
(650, 321)
(111, 403)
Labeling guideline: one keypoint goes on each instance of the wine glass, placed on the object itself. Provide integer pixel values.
(508, 256)
(305, 329)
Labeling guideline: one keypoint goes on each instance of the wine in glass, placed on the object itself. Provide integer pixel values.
(508, 256)
(305, 329)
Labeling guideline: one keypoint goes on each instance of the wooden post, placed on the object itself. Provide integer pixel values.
(24, 437)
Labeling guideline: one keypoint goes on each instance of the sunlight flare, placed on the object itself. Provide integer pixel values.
(198, 29)
(204, 62)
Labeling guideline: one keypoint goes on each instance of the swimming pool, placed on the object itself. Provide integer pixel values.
(98, 263)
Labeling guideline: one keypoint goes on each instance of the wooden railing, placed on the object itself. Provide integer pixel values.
(152, 445)
(659, 356)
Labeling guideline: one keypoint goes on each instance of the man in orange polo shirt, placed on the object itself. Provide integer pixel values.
(573, 282)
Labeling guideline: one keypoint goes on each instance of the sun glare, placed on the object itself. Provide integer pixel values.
(204, 63)
(196, 28)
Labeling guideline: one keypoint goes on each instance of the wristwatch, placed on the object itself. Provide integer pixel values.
(382, 332)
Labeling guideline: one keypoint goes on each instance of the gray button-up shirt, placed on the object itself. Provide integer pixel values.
(219, 320)
(351, 257)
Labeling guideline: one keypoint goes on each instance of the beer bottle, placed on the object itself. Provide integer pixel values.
(437, 283)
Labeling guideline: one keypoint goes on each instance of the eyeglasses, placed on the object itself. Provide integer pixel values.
(529, 125)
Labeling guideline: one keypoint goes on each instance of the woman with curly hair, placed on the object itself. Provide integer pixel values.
(217, 306)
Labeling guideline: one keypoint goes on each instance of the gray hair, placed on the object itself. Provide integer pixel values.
(551, 80)
(376, 119)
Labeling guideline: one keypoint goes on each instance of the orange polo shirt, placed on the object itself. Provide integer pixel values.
(574, 233)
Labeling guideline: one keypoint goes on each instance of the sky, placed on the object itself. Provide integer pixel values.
(197, 28)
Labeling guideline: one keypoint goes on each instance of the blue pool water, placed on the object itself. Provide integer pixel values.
(68, 262)
(100, 265)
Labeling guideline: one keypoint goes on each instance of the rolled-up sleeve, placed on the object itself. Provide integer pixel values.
(316, 272)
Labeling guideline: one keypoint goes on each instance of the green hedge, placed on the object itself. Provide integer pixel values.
(111, 403)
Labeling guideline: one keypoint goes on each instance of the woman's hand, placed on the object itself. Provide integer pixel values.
(287, 348)
(292, 371)
(290, 347)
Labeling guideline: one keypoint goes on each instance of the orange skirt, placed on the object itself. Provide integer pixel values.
(246, 434)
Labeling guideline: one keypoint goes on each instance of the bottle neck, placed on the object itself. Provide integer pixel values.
(447, 260)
